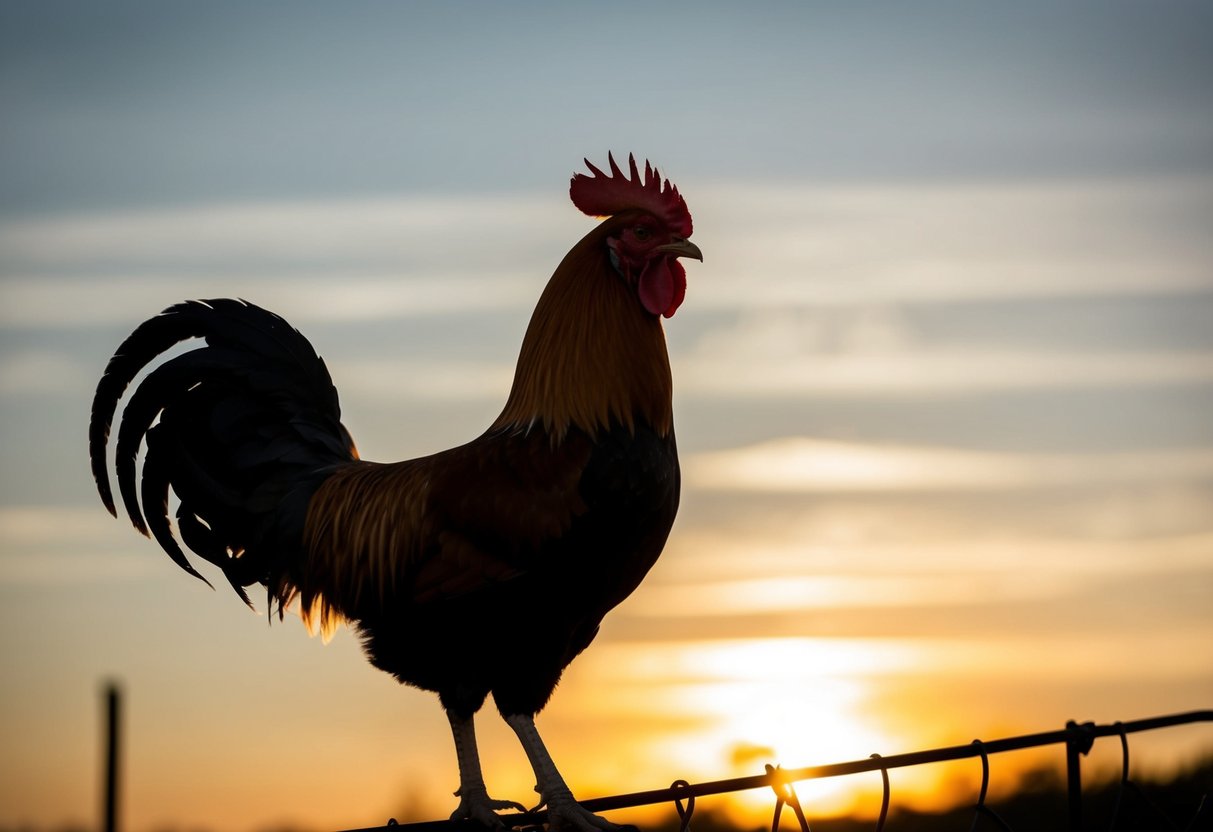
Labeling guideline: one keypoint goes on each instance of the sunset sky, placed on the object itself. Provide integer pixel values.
(943, 382)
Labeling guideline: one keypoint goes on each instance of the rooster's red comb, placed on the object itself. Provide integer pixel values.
(601, 195)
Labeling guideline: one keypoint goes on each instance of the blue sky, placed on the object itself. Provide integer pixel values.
(133, 103)
(943, 379)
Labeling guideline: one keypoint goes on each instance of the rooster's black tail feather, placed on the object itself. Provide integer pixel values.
(249, 425)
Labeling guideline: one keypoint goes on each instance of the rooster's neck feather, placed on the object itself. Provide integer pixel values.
(592, 355)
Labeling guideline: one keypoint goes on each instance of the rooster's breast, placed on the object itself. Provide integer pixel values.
(630, 487)
(611, 498)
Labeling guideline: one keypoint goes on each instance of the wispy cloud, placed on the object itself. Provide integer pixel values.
(423, 228)
(424, 381)
(335, 260)
(789, 593)
(804, 465)
(29, 526)
(742, 576)
(852, 244)
(738, 364)
(792, 247)
(31, 302)
(41, 371)
(50, 545)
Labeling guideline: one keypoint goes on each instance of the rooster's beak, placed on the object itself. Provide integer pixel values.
(681, 248)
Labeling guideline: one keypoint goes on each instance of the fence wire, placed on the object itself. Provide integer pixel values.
(1078, 739)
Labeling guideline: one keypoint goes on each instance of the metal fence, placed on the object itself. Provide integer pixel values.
(1078, 739)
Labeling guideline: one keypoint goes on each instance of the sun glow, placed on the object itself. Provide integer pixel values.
(712, 709)
(729, 707)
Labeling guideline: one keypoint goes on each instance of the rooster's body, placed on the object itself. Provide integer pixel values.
(482, 569)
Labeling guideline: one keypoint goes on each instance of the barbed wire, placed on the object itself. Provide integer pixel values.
(1078, 739)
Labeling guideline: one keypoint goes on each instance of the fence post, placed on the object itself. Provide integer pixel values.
(113, 715)
(1079, 739)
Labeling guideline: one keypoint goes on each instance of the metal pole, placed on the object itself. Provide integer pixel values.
(1074, 786)
(1079, 739)
(113, 717)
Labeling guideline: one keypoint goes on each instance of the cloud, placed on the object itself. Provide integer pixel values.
(804, 465)
(737, 575)
(37, 372)
(338, 298)
(46, 526)
(292, 232)
(55, 545)
(423, 381)
(920, 372)
(333, 260)
(790, 593)
(835, 245)
(769, 248)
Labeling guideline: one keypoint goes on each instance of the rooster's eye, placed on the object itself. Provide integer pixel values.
(641, 232)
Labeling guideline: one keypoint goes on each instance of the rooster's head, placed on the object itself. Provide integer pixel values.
(649, 227)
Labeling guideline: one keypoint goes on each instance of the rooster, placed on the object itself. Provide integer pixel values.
(484, 569)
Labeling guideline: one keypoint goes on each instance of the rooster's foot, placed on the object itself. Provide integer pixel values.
(565, 814)
(476, 805)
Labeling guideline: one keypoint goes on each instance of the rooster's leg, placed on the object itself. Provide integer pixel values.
(474, 801)
(564, 812)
